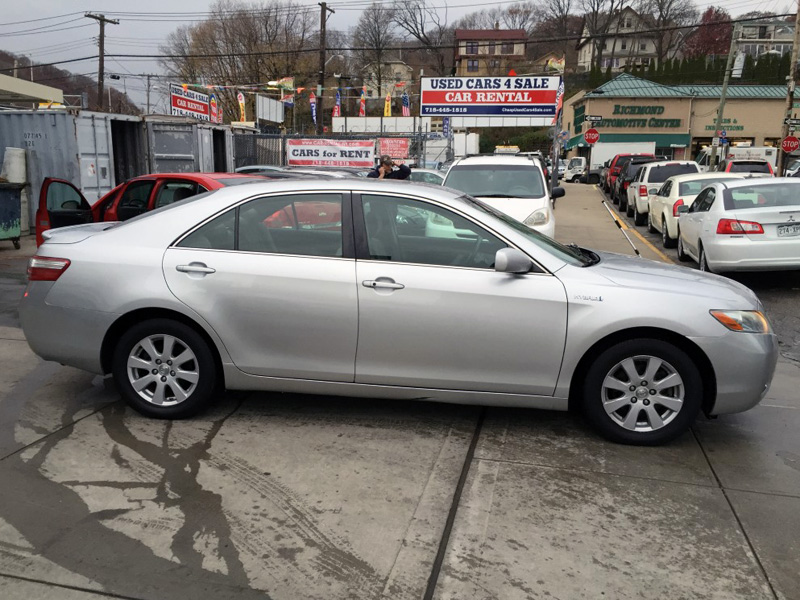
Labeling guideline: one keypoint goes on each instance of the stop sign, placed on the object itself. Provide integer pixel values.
(591, 136)
(790, 144)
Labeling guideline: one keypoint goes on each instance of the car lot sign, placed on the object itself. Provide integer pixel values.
(188, 103)
(591, 136)
(331, 153)
(397, 148)
(489, 96)
(790, 143)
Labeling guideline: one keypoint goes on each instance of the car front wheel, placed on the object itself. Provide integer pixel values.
(643, 392)
(165, 369)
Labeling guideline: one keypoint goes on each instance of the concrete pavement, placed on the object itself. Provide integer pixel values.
(289, 496)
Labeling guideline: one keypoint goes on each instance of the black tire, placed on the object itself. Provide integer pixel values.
(638, 218)
(614, 197)
(665, 239)
(703, 262)
(682, 256)
(676, 423)
(623, 202)
(630, 208)
(202, 363)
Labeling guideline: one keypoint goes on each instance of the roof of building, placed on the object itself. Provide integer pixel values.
(491, 34)
(629, 86)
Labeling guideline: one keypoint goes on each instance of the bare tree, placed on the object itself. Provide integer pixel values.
(421, 21)
(664, 15)
(372, 36)
(558, 11)
(599, 17)
(519, 16)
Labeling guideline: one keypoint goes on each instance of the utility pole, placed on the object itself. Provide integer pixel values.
(721, 110)
(148, 76)
(323, 20)
(101, 42)
(791, 79)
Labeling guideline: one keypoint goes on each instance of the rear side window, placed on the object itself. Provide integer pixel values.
(660, 173)
(217, 234)
(748, 166)
(175, 191)
(761, 196)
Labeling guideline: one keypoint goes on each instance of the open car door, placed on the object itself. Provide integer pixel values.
(60, 204)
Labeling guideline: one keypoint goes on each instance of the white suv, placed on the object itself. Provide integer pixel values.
(514, 185)
(648, 181)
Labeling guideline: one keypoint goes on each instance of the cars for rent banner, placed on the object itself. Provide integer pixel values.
(331, 153)
(489, 96)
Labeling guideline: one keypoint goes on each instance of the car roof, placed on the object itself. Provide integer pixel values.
(759, 181)
(711, 175)
(498, 159)
(746, 160)
(661, 163)
(215, 176)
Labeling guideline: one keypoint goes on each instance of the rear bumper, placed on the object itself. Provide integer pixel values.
(68, 336)
(742, 254)
(744, 364)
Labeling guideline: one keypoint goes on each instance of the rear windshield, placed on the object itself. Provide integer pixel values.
(633, 166)
(692, 188)
(497, 181)
(661, 173)
(762, 196)
(749, 166)
(229, 181)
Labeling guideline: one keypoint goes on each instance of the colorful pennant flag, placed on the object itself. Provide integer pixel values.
(556, 64)
(288, 100)
(242, 113)
(559, 101)
(337, 108)
(387, 107)
(406, 105)
(312, 98)
(362, 105)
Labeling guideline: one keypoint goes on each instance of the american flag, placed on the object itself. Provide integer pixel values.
(337, 108)
(406, 105)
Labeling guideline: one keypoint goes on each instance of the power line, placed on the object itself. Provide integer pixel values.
(41, 19)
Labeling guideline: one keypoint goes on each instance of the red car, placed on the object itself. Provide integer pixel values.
(614, 168)
(62, 204)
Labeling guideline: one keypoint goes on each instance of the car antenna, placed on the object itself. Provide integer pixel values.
(618, 223)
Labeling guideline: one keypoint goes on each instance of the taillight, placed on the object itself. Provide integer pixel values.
(678, 202)
(45, 268)
(736, 227)
(643, 190)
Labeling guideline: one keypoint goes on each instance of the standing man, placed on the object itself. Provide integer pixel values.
(385, 170)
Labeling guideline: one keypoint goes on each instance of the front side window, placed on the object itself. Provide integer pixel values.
(411, 231)
(707, 200)
(497, 181)
(137, 194)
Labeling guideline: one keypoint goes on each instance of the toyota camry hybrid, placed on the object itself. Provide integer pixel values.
(341, 287)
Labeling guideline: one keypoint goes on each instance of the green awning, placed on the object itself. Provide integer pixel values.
(662, 140)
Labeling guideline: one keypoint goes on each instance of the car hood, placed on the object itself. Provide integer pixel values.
(652, 275)
(518, 208)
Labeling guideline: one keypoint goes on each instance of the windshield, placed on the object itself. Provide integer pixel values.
(761, 196)
(512, 181)
(661, 173)
(749, 166)
(694, 187)
(565, 253)
(575, 163)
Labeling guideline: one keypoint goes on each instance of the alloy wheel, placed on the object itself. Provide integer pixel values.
(163, 370)
(643, 393)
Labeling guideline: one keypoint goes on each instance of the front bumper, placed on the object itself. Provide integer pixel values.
(744, 364)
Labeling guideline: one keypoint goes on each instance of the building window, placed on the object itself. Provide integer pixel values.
(490, 48)
(605, 45)
(645, 61)
(507, 48)
(472, 66)
(472, 48)
(642, 45)
(628, 23)
(623, 45)
(494, 63)
(613, 62)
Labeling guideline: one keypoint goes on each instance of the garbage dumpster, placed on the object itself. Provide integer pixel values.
(10, 211)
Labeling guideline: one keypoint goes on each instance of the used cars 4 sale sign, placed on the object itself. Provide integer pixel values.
(489, 96)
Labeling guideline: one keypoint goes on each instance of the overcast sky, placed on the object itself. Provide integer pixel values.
(65, 34)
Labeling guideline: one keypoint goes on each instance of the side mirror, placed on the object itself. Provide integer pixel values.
(683, 209)
(511, 260)
(652, 191)
(557, 192)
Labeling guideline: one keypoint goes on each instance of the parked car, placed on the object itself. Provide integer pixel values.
(257, 169)
(628, 169)
(514, 185)
(648, 180)
(62, 204)
(427, 176)
(615, 168)
(745, 225)
(677, 191)
(754, 166)
(506, 316)
(576, 168)
(562, 168)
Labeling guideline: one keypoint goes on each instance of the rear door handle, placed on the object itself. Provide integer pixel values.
(195, 268)
(382, 284)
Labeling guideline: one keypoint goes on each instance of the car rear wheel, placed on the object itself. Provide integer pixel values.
(638, 218)
(623, 201)
(665, 239)
(165, 369)
(643, 391)
(703, 262)
(682, 256)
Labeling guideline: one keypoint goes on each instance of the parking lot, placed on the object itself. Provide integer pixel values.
(286, 496)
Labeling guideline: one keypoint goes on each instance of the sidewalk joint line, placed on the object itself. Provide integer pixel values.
(67, 586)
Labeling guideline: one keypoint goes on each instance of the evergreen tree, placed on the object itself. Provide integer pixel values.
(784, 67)
(595, 77)
(651, 70)
(608, 75)
(660, 72)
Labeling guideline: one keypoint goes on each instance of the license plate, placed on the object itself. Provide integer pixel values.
(790, 230)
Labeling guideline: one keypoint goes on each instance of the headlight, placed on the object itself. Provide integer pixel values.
(746, 321)
(537, 217)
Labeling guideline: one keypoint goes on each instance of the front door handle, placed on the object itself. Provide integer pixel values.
(195, 268)
(382, 284)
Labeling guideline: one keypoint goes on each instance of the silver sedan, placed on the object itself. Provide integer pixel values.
(743, 225)
(335, 287)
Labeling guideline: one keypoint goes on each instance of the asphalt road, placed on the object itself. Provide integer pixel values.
(291, 497)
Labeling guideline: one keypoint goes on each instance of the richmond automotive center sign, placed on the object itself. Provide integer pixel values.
(489, 96)
(330, 153)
